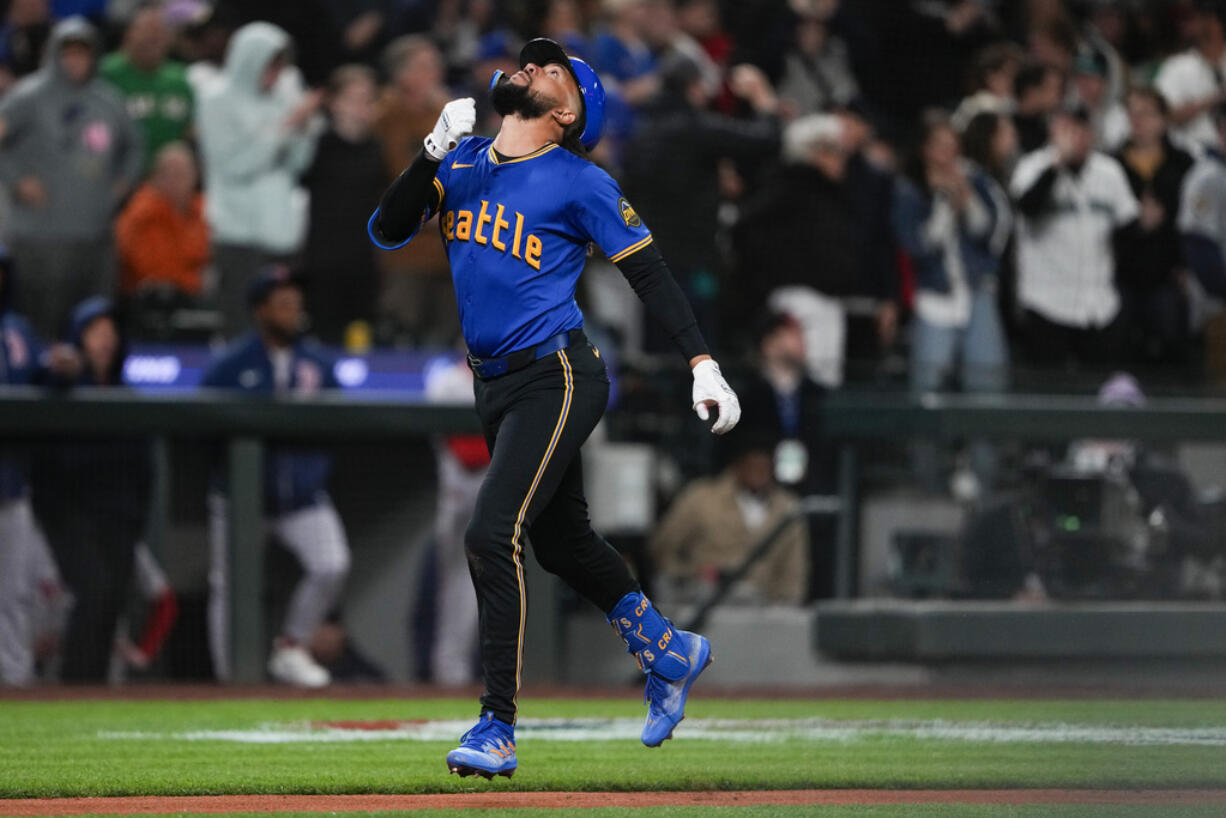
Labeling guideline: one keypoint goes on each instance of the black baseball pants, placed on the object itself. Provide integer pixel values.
(534, 420)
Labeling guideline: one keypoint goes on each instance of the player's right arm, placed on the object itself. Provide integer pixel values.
(417, 193)
(602, 215)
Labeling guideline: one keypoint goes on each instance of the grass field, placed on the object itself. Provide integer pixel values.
(112, 748)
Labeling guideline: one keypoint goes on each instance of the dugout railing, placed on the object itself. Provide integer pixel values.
(851, 419)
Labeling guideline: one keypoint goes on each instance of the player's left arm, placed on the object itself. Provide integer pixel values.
(605, 217)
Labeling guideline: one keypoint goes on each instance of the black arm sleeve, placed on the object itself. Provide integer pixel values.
(403, 203)
(1035, 200)
(655, 286)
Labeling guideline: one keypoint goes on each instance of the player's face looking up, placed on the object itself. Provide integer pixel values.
(535, 91)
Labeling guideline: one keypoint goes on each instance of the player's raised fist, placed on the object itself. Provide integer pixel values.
(457, 121)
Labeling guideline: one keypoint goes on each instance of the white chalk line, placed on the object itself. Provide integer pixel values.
(735, 730)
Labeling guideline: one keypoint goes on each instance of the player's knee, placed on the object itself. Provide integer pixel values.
(331, 567)
(478, 538)
(338, 568)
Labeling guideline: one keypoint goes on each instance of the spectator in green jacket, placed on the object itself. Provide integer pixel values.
(155, 88)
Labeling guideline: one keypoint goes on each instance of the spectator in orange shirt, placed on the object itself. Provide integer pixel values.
(162, 235)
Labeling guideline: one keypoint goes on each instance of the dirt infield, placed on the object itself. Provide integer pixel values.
(222, 804)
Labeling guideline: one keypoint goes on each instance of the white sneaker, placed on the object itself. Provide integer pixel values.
(292, 665)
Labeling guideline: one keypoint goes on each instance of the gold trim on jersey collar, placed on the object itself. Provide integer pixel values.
(546, 149)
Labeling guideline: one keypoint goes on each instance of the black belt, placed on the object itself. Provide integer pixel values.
(493, 367)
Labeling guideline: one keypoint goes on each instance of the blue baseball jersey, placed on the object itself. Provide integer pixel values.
(517, 233)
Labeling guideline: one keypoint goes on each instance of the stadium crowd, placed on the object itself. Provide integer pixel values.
(969, 186)
(865, 167)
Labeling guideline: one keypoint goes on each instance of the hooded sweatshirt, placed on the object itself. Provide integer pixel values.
(77, 139)
(251, 161)
(83, 315)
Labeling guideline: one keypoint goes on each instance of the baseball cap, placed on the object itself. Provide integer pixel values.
(267, 279)
(88, 311)
(543, 51)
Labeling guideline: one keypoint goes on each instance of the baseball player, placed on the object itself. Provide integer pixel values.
(517, 214)
(273, 360)
(162, 609)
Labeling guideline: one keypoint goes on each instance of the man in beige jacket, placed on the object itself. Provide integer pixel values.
(717, 520)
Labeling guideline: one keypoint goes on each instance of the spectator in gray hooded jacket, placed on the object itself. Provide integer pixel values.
(68, 153)
(258, 128)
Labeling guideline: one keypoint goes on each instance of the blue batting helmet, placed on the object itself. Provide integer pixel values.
(543, 51)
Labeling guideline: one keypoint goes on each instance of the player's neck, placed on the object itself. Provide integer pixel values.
(520, 137)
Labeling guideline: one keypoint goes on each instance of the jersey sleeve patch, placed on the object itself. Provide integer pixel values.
(628, 215)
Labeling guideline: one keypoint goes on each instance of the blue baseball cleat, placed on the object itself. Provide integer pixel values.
(488, 749)
(665, 699)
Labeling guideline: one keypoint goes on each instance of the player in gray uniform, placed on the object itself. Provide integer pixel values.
(273, 360)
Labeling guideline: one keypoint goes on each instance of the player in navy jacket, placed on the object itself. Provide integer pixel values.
(274, 360)
(518, 214)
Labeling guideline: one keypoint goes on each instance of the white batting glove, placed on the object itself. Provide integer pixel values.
(457, 121)
(710, 387)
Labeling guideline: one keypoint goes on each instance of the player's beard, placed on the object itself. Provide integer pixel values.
(510, 99)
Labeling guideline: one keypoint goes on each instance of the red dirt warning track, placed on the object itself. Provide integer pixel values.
(506, 800)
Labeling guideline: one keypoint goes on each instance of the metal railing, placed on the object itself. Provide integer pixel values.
(850, 419)
(806, 507)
